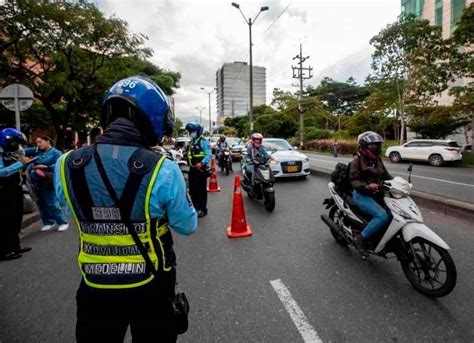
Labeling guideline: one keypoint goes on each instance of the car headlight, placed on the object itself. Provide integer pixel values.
(306, 160)
(274, 162)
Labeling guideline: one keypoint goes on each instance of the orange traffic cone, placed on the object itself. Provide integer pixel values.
(213, 185)
(238, 227)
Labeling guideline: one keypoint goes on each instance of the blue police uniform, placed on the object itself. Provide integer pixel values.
(11, 205)
(125, 200)
(199, 152)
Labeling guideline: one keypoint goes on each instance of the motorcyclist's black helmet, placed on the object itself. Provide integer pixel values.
(370, 137)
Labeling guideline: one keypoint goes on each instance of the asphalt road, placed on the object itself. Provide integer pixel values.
(338, 297)
(452, 181)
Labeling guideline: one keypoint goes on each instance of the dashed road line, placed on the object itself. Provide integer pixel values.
(299, 319)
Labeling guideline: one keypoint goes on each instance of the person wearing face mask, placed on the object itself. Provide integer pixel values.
(12, 162)
(199, 156)
(367, 172)
(41, 176)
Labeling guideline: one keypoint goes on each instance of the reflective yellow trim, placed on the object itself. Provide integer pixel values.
(147, 207)
(130, 285)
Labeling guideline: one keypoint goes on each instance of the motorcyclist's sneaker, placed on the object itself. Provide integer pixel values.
(360, 246)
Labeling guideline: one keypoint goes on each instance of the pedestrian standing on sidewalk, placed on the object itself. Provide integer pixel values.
(125, 199)
(12, 162)
(335, 148)
(41, 176)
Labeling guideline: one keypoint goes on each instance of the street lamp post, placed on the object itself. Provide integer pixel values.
(249, 22)
(210, 122)
(200, 109)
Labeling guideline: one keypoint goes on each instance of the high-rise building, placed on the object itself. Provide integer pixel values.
(445, 14)
(232, 83)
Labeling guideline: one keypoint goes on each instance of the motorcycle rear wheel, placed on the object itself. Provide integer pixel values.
(334, 214)
(429, 268)
(269, 201)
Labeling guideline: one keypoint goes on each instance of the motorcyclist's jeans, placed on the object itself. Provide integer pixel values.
(368, 205)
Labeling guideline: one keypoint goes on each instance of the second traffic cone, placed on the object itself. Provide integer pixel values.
(213, 185)
(238, 226)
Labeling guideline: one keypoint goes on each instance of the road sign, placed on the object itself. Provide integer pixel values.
(17, 98)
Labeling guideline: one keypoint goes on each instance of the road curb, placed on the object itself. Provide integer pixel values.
(444, 205)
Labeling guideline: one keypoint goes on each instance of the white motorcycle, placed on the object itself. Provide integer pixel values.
(423, 255)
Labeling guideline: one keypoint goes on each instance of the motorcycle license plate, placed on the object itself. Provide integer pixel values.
(292, 169)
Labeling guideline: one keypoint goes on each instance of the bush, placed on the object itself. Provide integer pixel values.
(341, 134)
(347, 147)
(314, 133)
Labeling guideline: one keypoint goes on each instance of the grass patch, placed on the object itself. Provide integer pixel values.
(468, 158)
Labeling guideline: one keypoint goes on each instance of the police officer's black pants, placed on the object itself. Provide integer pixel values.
(11, 218)
(198, 189)
(103, 315)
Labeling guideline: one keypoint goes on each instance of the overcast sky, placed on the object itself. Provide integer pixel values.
(196, 37)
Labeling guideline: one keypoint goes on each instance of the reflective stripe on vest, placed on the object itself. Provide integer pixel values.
(108, 256)
(193, 157)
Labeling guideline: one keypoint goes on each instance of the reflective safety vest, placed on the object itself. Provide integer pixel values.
(109, 257)
(195, 153)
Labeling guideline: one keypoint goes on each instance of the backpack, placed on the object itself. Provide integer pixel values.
(340, 178)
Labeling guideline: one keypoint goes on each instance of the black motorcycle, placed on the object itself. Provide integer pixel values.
(225, 161)
(261, 187)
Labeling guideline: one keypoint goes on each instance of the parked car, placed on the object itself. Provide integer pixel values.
(212, 142)
(436, 152)
(287, 162)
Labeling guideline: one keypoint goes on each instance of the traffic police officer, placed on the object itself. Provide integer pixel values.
(124, 199)
(199, 156)
(11, 193)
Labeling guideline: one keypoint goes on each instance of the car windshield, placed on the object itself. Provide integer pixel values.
(234, 141)
(277, 144)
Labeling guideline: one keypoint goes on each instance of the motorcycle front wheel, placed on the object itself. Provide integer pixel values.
(429, 268)
(269, 201)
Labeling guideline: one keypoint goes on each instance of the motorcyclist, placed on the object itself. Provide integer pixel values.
(367, 172)
(222, 145)
(256, 154)
(12, 162)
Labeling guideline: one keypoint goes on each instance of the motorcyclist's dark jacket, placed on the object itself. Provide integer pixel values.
(13, 181)
(364, 171)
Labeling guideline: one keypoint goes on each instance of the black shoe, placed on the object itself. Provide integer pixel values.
(10, 256)
(24, 249)
(360, 246)
(202, 213)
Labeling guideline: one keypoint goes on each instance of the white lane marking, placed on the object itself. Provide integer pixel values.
(299, 319)
(405, 174)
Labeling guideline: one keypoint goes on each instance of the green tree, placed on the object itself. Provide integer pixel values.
(435, 122)
(69, 54)
(410, 54)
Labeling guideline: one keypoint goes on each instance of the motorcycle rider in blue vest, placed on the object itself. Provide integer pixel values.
(199, 156)
(12, 162)
(125, 198)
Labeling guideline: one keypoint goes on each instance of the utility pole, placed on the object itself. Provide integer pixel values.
(301, 73)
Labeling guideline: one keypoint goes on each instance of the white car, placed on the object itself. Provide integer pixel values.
(436, 152)
(287, 161)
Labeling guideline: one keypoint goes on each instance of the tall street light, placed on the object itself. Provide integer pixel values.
(210, 122)
(249, 22)
(200, 109)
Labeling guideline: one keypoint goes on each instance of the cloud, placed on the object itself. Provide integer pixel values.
(197, 37)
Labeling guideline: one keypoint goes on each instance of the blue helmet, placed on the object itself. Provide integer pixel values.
(10, 139)
(142, 101)
(194, 127)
